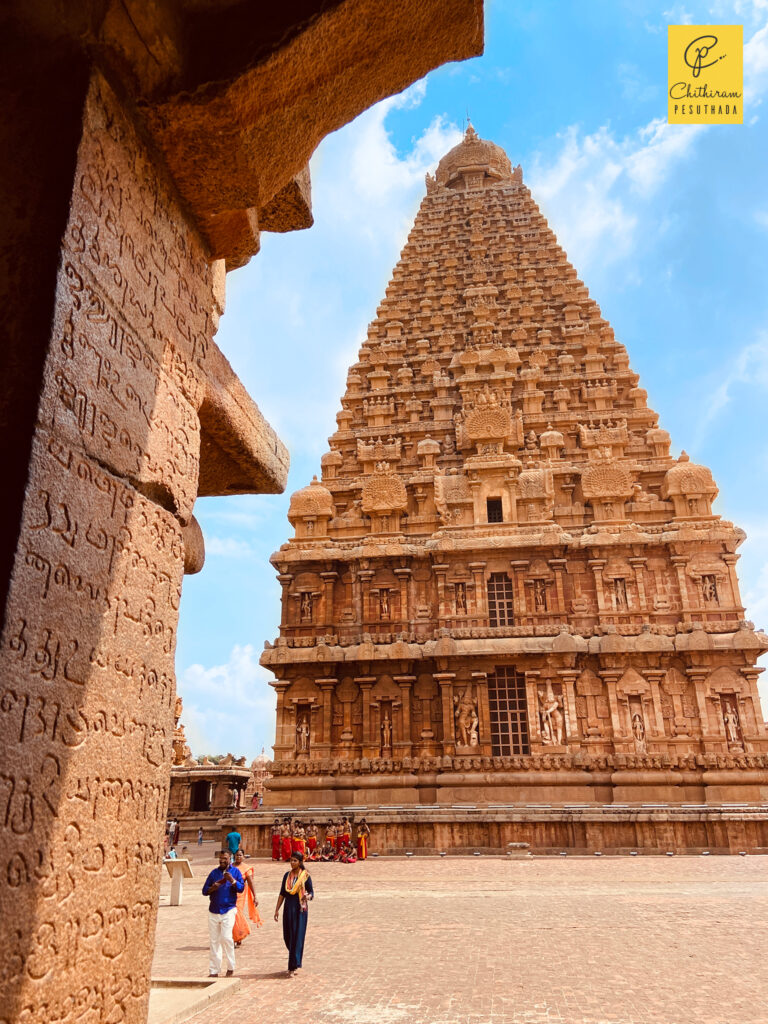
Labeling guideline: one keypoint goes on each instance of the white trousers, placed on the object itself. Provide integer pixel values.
(220, 933)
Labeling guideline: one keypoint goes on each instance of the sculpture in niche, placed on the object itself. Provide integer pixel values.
(540, 595)
(386, 731)
(384, 604)
(638, 732)
(461, 598)
(551, 719)
(620, 593)
(306, 607)
(731, 720)
(709, 588)
(302, 735)
(467, 720)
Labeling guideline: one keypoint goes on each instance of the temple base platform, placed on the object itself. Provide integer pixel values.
(501, 829)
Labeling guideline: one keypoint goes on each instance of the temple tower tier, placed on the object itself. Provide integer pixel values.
(504, 591)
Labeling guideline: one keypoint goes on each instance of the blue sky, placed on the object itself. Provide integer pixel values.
(667, 226)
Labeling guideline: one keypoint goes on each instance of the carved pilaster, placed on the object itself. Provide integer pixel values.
(445, 681)
(406, 685)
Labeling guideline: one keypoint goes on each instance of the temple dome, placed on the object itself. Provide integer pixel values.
(686, 478)
(473, 155)
(314, 500)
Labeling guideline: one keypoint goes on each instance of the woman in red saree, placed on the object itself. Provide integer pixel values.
(246, 902)
(362, 839)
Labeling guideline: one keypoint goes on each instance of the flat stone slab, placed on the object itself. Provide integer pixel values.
(173, 1000)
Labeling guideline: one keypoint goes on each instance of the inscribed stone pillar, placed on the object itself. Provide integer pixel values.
(90, 630)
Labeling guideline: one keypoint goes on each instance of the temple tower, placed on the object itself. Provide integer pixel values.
(504, 590)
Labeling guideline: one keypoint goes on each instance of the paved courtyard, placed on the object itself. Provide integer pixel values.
(632, 940)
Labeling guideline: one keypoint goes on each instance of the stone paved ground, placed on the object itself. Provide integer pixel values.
(641, 940)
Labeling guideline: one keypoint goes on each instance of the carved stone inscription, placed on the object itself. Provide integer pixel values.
(86, 662)
(125, 374)
(86, 708)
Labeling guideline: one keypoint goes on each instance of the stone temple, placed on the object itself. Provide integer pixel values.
(508, 613)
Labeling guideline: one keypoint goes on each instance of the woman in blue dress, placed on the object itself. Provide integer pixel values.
(295, 892)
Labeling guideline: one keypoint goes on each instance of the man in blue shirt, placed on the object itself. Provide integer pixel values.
(233, 842)
(221, 887)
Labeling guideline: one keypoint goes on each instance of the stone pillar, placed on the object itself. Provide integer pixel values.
(730, 561)
(365, 576)
(611, 676)
(680, 562)
(365, 683)
(442, 608)
(478, 576)
(597, 565)
(326, 612)
(519, 568)
(403, 579)
(698, 677)
(283, 748)
(569, 677)
(406, 684)
(557, 565)
(532, 699)
(92, 608)
(445, 681)
(638, 566)
(326, 685)
(285, 580)
(752, 674)
(655, 677)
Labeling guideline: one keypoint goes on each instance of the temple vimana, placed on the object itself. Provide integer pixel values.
(509, 614)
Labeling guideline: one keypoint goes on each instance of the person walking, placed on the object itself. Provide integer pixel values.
(295, 892)
(221, 887)
(200, 836)
(233, 842)
(246, 902)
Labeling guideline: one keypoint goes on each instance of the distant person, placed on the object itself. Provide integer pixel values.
(176, 833)
(295, 892)
(246, 902)
(200, 836)
(233, 842)
(221, 887)
(363, 832)
(172, 855)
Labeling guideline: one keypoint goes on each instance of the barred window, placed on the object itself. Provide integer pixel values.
(495, 512)
(509, 712)
(500, 600)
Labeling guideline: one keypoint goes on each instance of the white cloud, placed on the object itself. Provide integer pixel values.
(596, 188)
(756, 66)
(228, 547)
(228, 708)
(749, 367)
